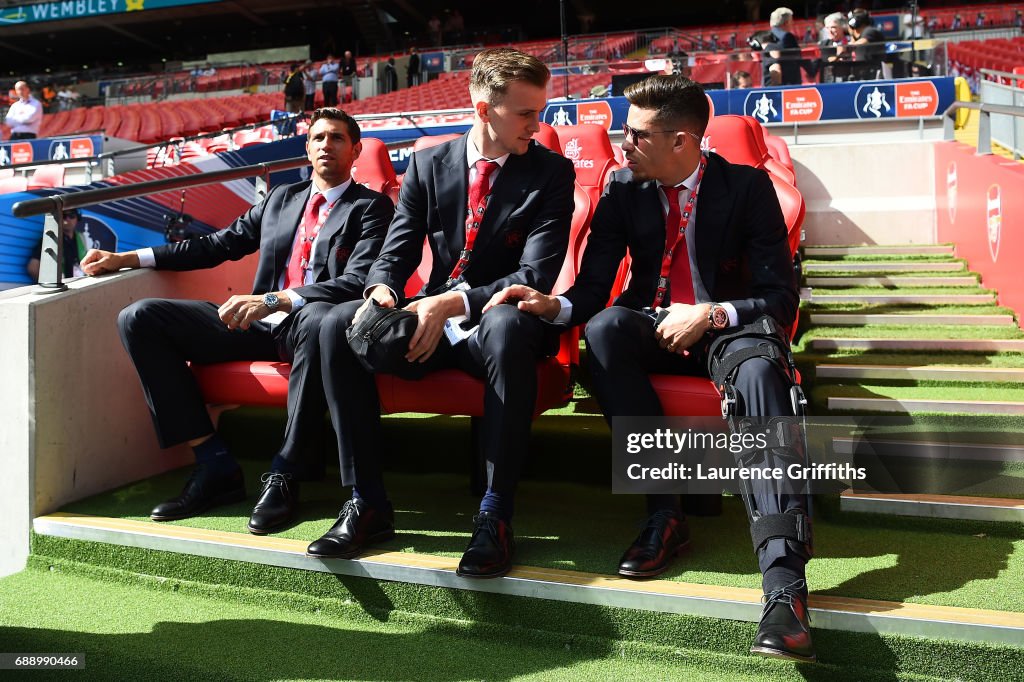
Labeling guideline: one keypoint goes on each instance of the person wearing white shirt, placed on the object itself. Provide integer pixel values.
(25, 115)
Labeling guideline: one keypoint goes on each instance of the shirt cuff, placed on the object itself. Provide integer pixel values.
(734, 317)
(565, 314)
(367, 291)
(297, 301)
(146, 258)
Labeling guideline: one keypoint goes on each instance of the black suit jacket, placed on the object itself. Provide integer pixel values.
(523, 236)
(742, 251)
(349, 241)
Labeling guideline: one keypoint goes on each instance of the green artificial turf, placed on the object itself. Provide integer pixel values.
(903, 308)
(964, 392)
(882, 258)
(585, 528)
(912, 358)
(881, 272)
(918, 331)
(146, 632)
(901, 291)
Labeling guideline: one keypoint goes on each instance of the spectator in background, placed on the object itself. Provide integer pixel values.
(64, 99)
(833, 47)
(389, 76)
(742, 79)
(348, 75)
(309, 74)
(329, 77)
(979, 22)
(869, 46)
(957, 23)
(25, 114)
(294, 90)
(49, 98)
(74, 247)
(782, 61)
(412, 74)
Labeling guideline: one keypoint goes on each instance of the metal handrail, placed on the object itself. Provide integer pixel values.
(51, 271)
(984, 121)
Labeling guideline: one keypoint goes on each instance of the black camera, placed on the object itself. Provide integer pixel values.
(755, 44)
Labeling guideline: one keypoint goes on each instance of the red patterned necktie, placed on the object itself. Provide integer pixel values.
(477, 202)
(302, 247)
(679, 276)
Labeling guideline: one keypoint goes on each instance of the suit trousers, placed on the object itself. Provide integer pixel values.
(330, 89)
(503, 353)
(163, 335)
(622, 351)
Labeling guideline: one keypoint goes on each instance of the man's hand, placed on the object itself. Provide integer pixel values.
(528, 300)
(96, 262)
(432, 312)
(381, 294)
(683, 326)
(239, 312)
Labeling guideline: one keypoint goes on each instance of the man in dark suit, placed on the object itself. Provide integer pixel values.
(316, 241)
(708, 245)
(782, 61)
(496, 209)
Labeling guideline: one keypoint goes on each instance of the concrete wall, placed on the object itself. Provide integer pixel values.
(76, 423)
(867, 193)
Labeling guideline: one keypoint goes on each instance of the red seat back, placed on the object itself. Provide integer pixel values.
(590, 151)
(428, 141)
(548, 137)
(733, 139)
(779, 150)
(373, 168)
(47, 176)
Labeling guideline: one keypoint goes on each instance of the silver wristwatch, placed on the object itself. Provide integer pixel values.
(271, 301)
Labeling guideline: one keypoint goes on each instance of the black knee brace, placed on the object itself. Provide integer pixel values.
(784, 436)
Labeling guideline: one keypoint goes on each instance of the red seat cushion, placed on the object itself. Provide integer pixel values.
(687, 396)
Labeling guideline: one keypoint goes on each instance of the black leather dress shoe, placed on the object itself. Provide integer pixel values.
(203, 490)
(358, 525)
(489, 553)
(665, 535)
(784, 631)
(276, 504)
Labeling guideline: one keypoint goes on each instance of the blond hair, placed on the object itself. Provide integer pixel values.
(495, 69)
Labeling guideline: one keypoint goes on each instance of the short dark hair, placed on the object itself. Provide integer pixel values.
(678, 101)
(497, 68)
(336, 114)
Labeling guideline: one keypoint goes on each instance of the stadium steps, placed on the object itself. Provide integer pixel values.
(921, 356)
(873, 617)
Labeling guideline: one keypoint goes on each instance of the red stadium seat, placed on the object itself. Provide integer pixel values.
(548, 137)
(427, 141)
(590, 151)
(779, 150)
(47, 176)
(15, 184)
(373, 168)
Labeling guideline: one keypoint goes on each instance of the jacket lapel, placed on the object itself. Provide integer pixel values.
(714, 209)
(285, 225)
(506, 195)
(451, 188)
(336, 220)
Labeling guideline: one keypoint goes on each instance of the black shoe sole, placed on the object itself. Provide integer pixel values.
(267, 530)
(496, 574)
(650, 574)
(229, 498)
(783, 655)
(373, 539)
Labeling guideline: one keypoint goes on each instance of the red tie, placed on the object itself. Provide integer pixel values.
(475, 206)
(679, 276)
(303, 245)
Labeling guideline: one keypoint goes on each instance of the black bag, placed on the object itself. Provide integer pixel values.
(380, 339)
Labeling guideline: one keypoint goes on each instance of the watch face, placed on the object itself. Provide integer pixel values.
(270, 300)
(720, 318)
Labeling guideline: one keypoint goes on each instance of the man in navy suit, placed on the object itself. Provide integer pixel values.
(708, 246)
(496, 210)
(316, 241)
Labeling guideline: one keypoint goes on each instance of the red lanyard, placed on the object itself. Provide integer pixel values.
(476, 202)
(666, 260)
(306, 241)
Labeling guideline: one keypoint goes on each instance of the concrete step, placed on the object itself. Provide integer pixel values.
(967, 345)
(898, 299)
(911, 405)
(543, 584)
(920, 373)
(935, 506)
(929, 449)
(885, 266)
(857, 320)
(903, 281)
(895, 250)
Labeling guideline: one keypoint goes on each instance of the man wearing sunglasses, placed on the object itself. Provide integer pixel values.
(74, 247)
(709, 254)
(316, 240)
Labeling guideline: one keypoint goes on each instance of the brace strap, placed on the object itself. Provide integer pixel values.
(795, 527)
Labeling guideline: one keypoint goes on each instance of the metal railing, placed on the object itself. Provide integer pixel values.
(985, 112)
(51, 270)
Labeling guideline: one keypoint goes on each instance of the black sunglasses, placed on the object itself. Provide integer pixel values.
(634, 135)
